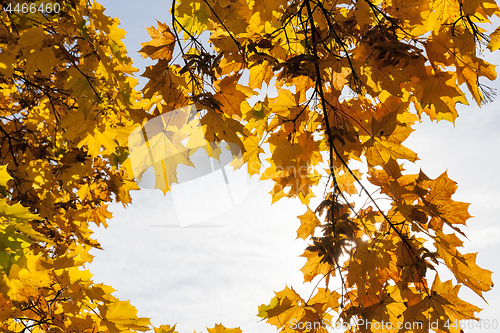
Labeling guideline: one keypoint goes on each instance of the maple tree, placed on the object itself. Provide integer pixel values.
(352, 77)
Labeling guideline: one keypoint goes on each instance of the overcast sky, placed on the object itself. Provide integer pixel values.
(220, 271)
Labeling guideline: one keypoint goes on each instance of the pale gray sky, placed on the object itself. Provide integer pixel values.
(200, 276)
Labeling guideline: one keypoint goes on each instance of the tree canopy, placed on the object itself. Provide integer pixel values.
(352, 79)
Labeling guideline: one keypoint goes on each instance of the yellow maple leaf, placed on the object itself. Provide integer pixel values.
(386, 140)
(162, 44)
(284, 308)
(251, 155)
(231, 94)
(165, 329)
(440, 309)
(4, 176)
(439, 200)
(308, 223)
(219, 328)
(441, 94)
(494, 43)
(15, 211)
(314, 266)
(217, 127)
(193, 16)
(326, 298)
(121, 315)
(464, 267)
(260, 73)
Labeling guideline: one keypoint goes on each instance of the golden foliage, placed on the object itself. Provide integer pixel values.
(352, 78)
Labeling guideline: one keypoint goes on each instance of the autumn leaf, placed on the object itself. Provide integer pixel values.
(251, 155)
(388, 135)
(308, 222)
(283, 309)
(218, 127)
(122, 315)
(442, 306)
(260, 73)
(221, 329)
(440, 94)
(165, 329)
(326, 299)
(439, 201)
(162, 44)
(15, 211)
(231, 94)
(494, 43)
(314, 266)
(4, 176)
(464, 267)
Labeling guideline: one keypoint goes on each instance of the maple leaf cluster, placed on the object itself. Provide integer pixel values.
(67, 97)
(352, 77)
